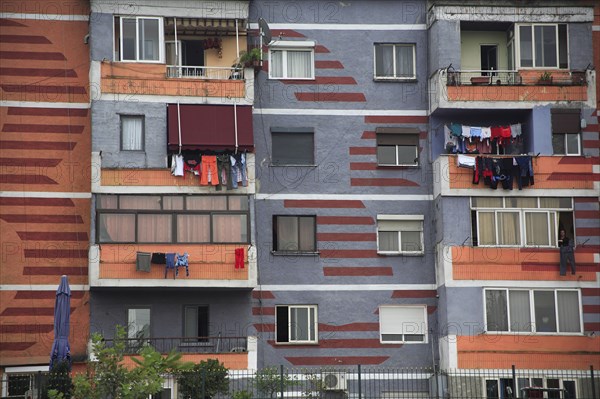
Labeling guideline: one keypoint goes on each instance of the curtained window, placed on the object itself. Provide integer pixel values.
(296, 324)
(402, 324)
(396, 235)
(138, 323)
(132, 133)
(139, 39)
(294, 233)
(545, 311)
(292, 63)
(395, 61)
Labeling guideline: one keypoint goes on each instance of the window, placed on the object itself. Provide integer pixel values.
(296, 324)
(566, 128)
(138, 323)
(520, 222)
(542, 311)
(132, 133)
(397, 146)
(195, 320)
(402, 324)
(395, 61)
(292, 146)
(172, 219)
(542, 383)
(400, 234)
(292, 60)
(139, 39)
(543, 45)
(294, 234)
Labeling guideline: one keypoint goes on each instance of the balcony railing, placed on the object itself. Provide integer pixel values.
(186, 344)
(204, 72)
(476, 77)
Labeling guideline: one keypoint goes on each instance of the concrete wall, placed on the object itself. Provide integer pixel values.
(580, 45)
(444, 45)
(106, 134)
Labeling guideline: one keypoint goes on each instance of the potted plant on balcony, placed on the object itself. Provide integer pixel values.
(545, 78)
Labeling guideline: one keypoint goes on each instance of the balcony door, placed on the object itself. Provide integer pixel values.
(489, 58)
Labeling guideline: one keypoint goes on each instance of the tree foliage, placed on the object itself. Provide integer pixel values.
(208, 377)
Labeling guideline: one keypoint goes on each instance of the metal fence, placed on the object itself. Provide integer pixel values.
(185, 344)
(352, 383)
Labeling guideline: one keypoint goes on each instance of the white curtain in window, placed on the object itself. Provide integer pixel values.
(509, 231)
(230, 228)
(117, 227)
(568, 311)
(486, 222)
(388, 241)
(139, 202)
(154, 228)
(536, 228)
(287, 233)
(131, 133)
(384, 60)
(306, 234)
(520, 313)
(299, 64)
(276, 63)
(193, 228)
(404, 61)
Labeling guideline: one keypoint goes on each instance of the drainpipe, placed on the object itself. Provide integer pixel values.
(237, 39)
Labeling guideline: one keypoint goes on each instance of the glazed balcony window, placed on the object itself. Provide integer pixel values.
(139, 39)
(543, 46)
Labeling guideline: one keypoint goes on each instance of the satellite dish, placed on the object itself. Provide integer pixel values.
(265, 31)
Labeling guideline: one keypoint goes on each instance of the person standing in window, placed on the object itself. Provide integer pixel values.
(566, 253)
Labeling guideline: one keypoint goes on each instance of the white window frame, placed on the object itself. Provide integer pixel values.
(531, 292)
(401, 218)
(522, 223)
(517, 47)
(315, 322)
(161, 39)
(567, 154)
(398, 163)
(395, 77)
(122, 117)
(285, 47)
(424, 326)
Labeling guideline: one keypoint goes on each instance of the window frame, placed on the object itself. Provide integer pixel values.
(161, 39)
(191, 339)
(275, 226)
(566, 144)
(141, 307)
(397, 137)
(532, 309)
(173, 213)
(315, 323)
(395, 77)
(401, 218)
(288, 132)
(404, 341)
(517, 47)
(552, 213)
(285, 47)
(142, 133)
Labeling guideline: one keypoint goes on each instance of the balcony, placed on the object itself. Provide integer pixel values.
(572, 175)
(210, 266)
(509, 88)
(233, 352)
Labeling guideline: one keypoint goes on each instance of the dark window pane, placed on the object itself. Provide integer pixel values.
(391, 337)
(545, 311)
(558, 144)
(292, 149)
(495, 304)
(386, 155)
(563, 59)
(129, 34)
(526, 41)
(282, 324)
(407, 155)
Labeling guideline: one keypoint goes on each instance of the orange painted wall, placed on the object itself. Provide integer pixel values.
(550, 172)
(528, 352)
(531, 264)
(43, 149)
(206, 262)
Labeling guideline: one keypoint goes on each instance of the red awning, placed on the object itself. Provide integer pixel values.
(210, 127)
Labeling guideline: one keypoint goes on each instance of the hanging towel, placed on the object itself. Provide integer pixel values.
(239, 258)
(142, 263)
(465, 161)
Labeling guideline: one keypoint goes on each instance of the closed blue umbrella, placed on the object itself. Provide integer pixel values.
(62, 312)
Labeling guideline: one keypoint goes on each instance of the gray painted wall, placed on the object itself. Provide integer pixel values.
(580, 45)
(444, 45)
(101, 36)
(106, 134)
(228, 311)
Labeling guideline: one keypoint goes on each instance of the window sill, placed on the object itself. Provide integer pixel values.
(292, 253)
(273, 165)
(402, 342)
(396, 80)
(291, 79)
(134, 151)
(401, 253)
(529, 333)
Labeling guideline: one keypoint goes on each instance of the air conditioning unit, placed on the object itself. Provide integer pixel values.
(334, 381)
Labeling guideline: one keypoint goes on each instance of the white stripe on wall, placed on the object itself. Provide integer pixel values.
(42, 194)
(361, 197)
(37, 104)
(335, 26)
(342, 112)
(346, 287)
(45, 17)
(41, 287)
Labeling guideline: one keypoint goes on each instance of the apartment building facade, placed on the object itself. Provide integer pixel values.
(171, 255)
(504, 300)
(45, 195)
(343, 204)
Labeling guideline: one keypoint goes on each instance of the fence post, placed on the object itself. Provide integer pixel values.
(281, 387)
(514, 382)
(359, 383)
(593, 382)
(39, 384)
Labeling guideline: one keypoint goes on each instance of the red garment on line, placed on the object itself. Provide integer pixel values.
(239, 258)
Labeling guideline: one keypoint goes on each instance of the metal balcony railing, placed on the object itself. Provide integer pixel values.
(204, 72)
(473, 77)
(186, 344)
